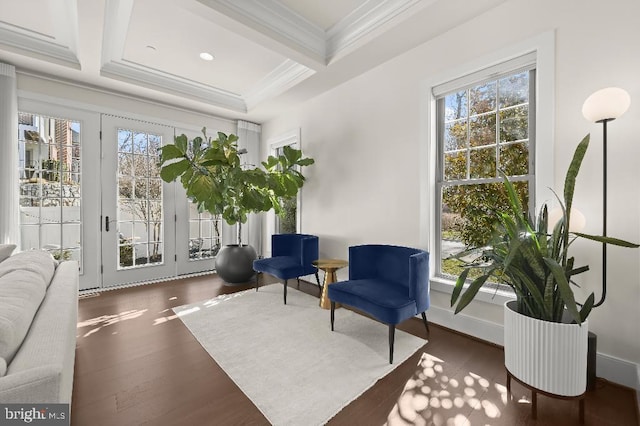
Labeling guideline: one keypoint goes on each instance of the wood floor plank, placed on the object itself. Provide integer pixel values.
(136, 364)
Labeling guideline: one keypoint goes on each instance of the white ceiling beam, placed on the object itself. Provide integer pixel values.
(284, 77)
(272, 25)
(367, 21)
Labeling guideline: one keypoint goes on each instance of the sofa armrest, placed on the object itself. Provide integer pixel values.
(38, 385)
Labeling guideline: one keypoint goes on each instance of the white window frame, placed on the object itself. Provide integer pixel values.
(544, 48)
(292, 139)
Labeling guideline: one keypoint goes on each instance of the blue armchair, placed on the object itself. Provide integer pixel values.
(390, 283)
(292, 255)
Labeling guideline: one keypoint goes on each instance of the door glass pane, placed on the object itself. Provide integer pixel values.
(50, 172)
(204, 234)
(139, 200)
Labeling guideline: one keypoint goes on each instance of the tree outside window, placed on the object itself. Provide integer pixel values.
(483, 130)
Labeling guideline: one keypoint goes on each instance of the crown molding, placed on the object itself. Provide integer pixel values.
(60, 48)
(168, 83)
(285, 76)
(364, 21)
(276, 21)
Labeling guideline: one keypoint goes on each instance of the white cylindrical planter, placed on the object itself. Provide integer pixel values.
(549, 356)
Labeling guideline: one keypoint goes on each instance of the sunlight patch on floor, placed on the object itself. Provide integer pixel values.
(162, 320)
(431, 397)
(103, 321)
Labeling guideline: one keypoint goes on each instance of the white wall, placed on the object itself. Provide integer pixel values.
(365, 136)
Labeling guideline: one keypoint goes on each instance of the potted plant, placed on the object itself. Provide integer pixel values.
(212, 174)
(545, 329)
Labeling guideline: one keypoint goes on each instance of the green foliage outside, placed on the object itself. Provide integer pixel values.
(61, 255)
(486, 131)
(126, 253)
(288, 218)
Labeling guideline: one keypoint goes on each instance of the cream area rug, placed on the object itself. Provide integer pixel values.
(286, 359)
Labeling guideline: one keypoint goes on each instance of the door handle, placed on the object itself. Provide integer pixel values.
(106, 223)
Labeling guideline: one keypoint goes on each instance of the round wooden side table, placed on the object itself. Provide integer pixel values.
(329, 266)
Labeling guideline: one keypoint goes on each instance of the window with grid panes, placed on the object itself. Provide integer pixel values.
(485, 127)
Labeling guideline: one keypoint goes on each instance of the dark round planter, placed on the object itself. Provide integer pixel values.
(234, 263)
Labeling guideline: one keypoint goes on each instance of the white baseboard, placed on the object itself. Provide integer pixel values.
(614, 369)
(638, 387)
(482, 329)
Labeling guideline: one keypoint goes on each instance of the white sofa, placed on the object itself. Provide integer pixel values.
(38, 323)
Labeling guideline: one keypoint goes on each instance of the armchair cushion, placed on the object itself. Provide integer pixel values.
(389, 304)
(283, 267)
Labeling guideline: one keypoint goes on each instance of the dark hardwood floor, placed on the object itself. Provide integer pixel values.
(136, 363)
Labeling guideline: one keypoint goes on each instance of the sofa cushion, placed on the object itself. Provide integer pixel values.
(38, 261)
(3, 367)
(23, 283)
(6, 250)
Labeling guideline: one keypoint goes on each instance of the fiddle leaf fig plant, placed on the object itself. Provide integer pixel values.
(215, 179)
(531, 259)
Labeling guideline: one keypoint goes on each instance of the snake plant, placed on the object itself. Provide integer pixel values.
(531, 259)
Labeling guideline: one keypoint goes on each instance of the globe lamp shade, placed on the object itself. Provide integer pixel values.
(606, 104)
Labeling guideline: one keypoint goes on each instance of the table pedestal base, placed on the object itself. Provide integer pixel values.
(329, 278)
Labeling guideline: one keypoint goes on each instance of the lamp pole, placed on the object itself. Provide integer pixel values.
(604, 210)
(601, 107)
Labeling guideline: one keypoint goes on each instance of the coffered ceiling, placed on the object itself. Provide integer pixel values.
(267, 54)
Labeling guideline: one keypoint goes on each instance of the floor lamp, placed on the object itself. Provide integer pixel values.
(601, 107)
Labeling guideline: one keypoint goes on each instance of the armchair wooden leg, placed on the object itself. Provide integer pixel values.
(426, 324)
(285, 292)
(333, 311)
(298, 278)
(258, 280)
(318, 281)
(392, 334)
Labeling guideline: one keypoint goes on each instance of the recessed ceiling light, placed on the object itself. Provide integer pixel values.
(206, 56)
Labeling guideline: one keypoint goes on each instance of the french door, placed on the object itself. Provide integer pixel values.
(58, 179)
(100, 200)
(138, 208)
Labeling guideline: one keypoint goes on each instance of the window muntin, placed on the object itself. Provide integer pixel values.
(482, 128)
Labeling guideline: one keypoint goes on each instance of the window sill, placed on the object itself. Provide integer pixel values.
(488, 295)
